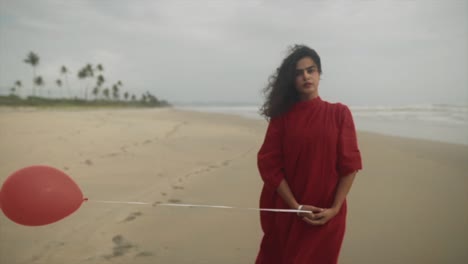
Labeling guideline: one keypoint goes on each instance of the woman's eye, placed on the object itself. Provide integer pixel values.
(309, 71)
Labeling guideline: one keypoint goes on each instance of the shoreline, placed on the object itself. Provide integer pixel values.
(360, 131)
(240, 115)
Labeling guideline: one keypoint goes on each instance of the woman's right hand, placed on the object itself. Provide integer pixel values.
(310, 216)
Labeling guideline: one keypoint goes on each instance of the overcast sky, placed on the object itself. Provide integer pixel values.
(373, 52)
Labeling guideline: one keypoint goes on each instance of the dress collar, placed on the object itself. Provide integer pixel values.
(311, 102)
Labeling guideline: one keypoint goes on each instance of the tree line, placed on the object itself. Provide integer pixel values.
(91, 76)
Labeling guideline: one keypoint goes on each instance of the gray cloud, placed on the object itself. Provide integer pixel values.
(373, 52)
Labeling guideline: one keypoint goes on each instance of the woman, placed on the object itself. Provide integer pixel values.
(308, 161)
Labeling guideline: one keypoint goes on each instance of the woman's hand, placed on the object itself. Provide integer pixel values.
(319, 217)
(313, 209)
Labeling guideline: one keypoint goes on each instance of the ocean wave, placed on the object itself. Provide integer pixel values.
(438, 113)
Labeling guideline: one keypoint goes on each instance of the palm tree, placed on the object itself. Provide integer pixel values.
(64, 72)
(33, 59)
(89, 73)
(90, 69)
(126, 96)
(95, 92)
(39, 81)
(100, 80)
(82, 74)
(105, 92)
(18, 85)
(13, 90)
(115, 91)
(133, 97)
(152, 99)
(59, 84)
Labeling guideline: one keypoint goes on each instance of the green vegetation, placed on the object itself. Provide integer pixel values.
(14, 100)
(92, 80)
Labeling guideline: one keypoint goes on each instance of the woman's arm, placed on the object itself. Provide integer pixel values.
(286, 194)
(348, 164)
(342, 190)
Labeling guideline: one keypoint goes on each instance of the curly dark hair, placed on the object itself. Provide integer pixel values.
(280, 93)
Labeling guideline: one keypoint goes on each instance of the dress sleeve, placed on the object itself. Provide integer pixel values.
(349, 156)
(270, 160)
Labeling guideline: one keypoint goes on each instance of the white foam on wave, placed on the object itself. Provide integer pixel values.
(444, 114)
(446, 123)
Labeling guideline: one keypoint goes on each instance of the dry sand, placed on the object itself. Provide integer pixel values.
(408, 205)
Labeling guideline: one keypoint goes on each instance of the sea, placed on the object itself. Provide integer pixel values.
(436, 122)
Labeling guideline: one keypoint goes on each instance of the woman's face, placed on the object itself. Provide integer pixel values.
(307, 78)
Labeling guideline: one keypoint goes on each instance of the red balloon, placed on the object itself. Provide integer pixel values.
(39, 195)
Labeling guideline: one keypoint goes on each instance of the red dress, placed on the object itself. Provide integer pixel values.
(311, 147)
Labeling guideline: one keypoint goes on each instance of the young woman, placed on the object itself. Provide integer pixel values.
(308, 161)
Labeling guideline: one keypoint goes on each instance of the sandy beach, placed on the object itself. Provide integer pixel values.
(408, 205)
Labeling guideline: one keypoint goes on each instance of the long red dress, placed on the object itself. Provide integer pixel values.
(311, 147)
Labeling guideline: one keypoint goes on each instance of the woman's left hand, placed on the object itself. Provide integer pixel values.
(322, 217)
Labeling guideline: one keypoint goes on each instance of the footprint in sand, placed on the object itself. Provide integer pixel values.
(132, 216)
(174, 130)
(226, 162)
(111, 155)
(174, 201)
(147, 142)
(51, 245)
(144, 254)
(88, 162)
(200, 171)
(54, 244)
(190, 174)
(163, 194)
(121, 247)
(66, 168)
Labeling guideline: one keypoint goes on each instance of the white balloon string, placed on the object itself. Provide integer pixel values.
(204, 206)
